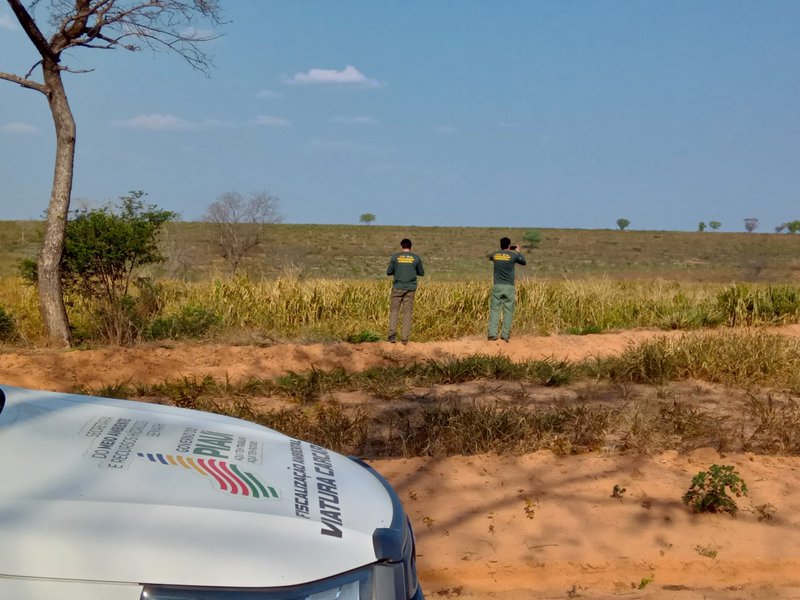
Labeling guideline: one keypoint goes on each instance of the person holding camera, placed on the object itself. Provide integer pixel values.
(503, 290)
(405, 267)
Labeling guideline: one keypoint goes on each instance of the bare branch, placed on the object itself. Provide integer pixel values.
(32, 30)
(76, 71)
(24, 82)
(30, 71)
(109, 24)
(158, 24)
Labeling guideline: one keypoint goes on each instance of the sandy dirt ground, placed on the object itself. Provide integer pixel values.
(514, 527)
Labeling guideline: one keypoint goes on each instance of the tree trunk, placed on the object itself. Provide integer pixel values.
(51, 298)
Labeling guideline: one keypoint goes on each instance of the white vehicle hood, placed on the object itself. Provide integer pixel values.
(96, 489)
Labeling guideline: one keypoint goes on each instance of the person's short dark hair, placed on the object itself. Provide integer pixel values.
(405, 244)
(504, 243)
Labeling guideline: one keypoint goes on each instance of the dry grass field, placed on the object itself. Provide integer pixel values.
(457, 253)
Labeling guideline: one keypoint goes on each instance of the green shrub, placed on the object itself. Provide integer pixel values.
(707, 493)
(28, 270)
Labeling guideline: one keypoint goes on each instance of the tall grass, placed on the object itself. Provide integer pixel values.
(291, 308)
(738, 358)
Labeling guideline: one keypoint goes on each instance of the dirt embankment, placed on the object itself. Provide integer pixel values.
(514, 527)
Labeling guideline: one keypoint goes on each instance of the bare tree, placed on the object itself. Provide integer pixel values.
(104, 24)
(240, 223)
(750, 224)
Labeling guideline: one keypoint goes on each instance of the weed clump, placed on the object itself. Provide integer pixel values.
(365, 335)
(190, 322)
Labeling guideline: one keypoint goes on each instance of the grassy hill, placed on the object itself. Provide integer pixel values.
(458, 253)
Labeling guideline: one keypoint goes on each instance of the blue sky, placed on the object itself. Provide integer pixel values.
(519, 113)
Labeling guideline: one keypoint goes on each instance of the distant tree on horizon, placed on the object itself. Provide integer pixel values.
(793, 226)
(714, 225)
(701, 226)
(622, 224)
(367, 218)
(532, 238)
(750, 224)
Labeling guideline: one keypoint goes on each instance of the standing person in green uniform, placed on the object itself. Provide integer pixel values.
(405, 267)
(503, 290)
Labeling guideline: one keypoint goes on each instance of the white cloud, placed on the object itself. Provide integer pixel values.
(17, 127)
(360, 120)
(268, 121)
(267, 94)
(155, 121)
(7, 22)
(347, 76)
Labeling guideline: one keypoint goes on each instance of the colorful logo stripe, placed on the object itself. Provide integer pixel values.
(227, 477)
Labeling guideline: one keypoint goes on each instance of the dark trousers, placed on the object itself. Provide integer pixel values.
(400, 300)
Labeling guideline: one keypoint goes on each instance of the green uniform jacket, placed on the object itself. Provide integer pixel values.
(504, 262)
(406, 267)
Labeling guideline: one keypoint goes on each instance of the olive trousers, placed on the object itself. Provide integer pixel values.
(400, 300)
(501, 300)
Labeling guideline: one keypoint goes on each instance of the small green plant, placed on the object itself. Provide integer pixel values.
(707, 492)
(365, 335)
(645, 581)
